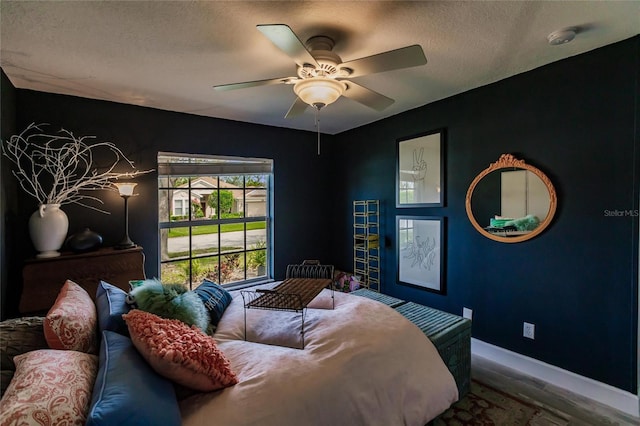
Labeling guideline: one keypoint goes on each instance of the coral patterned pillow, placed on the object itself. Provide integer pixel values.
(181, 353)
(50, 387)
(71, 321)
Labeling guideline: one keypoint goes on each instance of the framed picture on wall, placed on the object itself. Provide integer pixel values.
(421, 252)
(420, 170)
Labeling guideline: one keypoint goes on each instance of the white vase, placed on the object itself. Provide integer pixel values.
(48, 229)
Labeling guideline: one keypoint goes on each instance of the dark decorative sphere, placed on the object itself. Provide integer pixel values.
(86, 240)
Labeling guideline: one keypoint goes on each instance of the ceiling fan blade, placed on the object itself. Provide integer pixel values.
(244, 85)
(404, 57)
(296, 109)
(366, 96)
(287, 41)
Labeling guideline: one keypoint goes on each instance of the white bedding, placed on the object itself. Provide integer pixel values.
(363, 364)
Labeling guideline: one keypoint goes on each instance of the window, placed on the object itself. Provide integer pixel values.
(405, 232)
(214, 218)
(407, 192)
(178, 209)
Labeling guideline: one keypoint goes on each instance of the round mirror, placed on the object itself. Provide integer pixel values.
(510, 201)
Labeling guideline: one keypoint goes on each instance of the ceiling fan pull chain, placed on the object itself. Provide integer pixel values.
(318, 127)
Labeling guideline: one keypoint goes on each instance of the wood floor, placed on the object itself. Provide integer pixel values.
(575, 409)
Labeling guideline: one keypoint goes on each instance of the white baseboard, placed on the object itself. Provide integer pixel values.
(584, 386)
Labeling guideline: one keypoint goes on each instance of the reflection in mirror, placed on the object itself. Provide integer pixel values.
(511, 201)
(523, 193)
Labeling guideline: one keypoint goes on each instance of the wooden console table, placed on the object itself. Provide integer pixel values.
(43, 278)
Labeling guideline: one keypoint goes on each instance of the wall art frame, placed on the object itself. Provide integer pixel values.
(421, 252)
(420, 170)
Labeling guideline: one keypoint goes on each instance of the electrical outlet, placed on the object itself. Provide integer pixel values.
(529, 330)
(467, 313)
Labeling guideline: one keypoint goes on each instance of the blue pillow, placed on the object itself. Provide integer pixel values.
(127, 391)
(110, 305)
(215, 298)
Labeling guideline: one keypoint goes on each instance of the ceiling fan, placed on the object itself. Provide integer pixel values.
(322, 77)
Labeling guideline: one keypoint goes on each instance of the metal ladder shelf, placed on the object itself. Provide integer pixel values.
(366, 243)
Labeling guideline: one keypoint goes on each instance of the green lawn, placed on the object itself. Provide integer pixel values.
(200, 251)
(213, 229)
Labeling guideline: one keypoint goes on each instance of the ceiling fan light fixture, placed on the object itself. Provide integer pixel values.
(563, 36)
(319, 91)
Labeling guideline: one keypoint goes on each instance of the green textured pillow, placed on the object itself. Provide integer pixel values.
(527, 223)
(172, 301)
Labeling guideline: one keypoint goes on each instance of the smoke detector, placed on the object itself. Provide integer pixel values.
(561, 36)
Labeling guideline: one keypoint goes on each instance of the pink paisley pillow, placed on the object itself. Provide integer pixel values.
(178, 352)
(50, 387)
(71, 321)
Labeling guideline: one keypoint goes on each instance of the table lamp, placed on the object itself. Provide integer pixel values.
(126, 190)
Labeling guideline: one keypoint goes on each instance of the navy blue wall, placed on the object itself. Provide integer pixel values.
(9, 279)
(300, 187)
(577, 282)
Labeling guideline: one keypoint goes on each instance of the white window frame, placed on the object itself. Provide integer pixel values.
(190, 166)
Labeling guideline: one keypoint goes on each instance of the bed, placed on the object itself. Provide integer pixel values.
(363, 363)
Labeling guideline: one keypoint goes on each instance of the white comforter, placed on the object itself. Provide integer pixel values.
(363, 364)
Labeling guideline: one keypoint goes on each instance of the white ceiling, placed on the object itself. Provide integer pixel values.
(169, 54)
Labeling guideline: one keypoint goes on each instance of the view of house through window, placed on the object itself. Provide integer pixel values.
(214, 218)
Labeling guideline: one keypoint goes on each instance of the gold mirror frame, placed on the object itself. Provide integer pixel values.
(507, 161)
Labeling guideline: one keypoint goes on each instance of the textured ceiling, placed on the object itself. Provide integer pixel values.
(168, 55)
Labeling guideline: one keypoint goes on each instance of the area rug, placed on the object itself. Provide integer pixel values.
(484, 405)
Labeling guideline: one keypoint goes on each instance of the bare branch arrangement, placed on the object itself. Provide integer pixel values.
(55, 168)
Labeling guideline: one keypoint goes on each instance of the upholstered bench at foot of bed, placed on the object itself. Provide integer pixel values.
(450, 334)
(382, 298)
